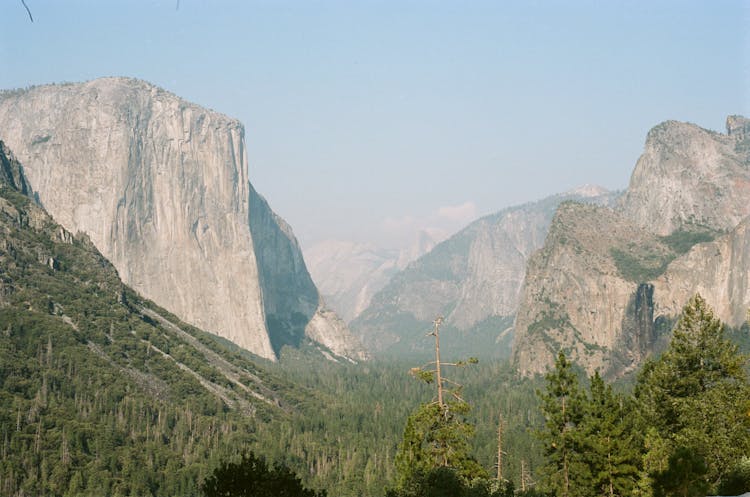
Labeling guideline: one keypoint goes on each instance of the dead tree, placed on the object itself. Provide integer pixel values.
(433, 371)
(500, 449)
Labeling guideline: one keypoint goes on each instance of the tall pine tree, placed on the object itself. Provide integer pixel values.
(565, 472)
(437, 434)
(610, 449)
(694, 406)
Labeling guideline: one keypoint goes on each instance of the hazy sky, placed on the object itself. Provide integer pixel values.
(367, 119)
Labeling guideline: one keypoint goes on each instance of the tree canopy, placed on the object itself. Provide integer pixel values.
(695, 406)
(251, 476)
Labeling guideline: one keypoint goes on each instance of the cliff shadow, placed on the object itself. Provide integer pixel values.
(290, 298)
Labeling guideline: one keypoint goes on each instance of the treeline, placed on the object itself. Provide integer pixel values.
(347, 442)
(683, 431)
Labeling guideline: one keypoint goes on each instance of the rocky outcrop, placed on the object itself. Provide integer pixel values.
(690, 177)
(473, 279)
(607, 285)
(327, 328)
(160, 186)
(582, 294)
(11, 171)
(719, 270)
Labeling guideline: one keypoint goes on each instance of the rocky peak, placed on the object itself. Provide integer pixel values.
(738, 126)
(684, 177)
(606, 284)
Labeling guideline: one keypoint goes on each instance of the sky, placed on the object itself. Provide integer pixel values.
(369, 120)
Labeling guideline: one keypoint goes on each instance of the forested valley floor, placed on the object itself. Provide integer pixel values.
(104, 393)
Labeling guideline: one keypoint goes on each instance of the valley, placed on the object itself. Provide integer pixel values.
(158, 319)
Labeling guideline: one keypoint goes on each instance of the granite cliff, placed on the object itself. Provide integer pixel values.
(349, 274)
(473, 279)
(608, 284)
(576, 296)
(161, 187)
(689, 177)
(719, 270)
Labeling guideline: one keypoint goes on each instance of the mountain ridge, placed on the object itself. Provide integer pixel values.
(473, 279)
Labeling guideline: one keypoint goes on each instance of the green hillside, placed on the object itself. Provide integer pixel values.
(101, 392)
(104, 393)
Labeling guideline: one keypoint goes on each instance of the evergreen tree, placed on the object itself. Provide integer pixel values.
(437, 433)
(252, 477)
(435, 438)
(694, 399)
(610, 450)
(566, 473)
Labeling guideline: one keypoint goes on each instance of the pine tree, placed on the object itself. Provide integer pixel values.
(610, 450)
(695, 399)
(437, 434)
(433, 439)
(251, 476)
(565, 472)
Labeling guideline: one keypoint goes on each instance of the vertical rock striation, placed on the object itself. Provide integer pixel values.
(160, 186)
(719, 270)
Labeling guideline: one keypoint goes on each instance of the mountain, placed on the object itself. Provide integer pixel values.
(608, 284)
(689, 176)
(473, 279)
(160, 186)
(104, 393)
(101, 390)
(719, 270)
(349, 274)
(578, 290)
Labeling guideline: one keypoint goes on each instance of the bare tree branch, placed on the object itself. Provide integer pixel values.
(27, 10)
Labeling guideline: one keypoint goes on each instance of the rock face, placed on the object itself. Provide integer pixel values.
(718, 270)
(349, 274)
(576, 297)
(294, 309)
(160, 186)
(473, 279)
(11, 171)
(689, 176)
(607, 285)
